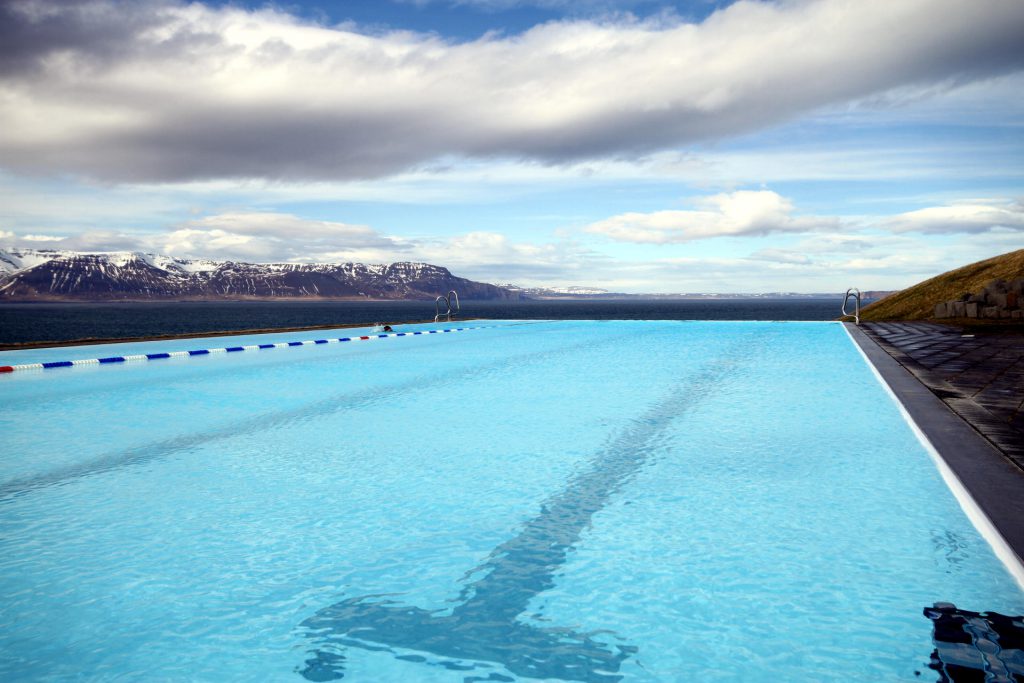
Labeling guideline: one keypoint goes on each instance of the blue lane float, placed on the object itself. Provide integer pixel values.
(228, 349)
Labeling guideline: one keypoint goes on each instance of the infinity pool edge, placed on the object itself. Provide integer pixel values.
(989, 487)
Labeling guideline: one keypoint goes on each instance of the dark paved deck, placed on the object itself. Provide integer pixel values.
(980, 377)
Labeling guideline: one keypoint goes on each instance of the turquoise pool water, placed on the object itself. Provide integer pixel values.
(597, 501)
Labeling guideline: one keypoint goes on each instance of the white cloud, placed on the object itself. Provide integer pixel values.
(782, 256)
(265, 236)
(824, 275)
(745, 212)
(173, 92)
(494, 257)
(823, 263)
(962, 217)
(39, 238)
(282, 226)
(826, 261)
(89, 240)
(239, 236)
(277, 238)
(855, 254)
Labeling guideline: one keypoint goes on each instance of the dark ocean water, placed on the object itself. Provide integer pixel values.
(66, 321)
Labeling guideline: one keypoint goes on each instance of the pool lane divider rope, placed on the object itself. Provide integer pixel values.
(226, 349)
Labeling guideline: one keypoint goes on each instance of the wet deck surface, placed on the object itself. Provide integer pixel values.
(980, 377)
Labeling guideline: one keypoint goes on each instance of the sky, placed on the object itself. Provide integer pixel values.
(630, 145)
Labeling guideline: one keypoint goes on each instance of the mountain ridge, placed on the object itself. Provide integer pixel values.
(52, 275)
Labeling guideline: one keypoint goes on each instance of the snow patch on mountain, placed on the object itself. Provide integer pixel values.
(14, 260)
(27, 274)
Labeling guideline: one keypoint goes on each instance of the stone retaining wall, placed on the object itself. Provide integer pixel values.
(999, 299)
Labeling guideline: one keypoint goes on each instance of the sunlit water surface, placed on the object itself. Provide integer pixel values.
(594, 501)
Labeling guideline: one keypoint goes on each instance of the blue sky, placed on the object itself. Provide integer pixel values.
(639, 146)
(470, 19)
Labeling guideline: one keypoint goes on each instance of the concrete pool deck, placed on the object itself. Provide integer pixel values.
(993, 479)
(980, 376)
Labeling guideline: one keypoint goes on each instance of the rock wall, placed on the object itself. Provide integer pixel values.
(999, 299)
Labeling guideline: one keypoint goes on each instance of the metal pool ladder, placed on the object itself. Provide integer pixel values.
(447, 299)
(855, 293)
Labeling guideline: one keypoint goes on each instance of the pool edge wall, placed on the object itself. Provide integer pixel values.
(991, 488)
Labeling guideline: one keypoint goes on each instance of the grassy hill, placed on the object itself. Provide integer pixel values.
(918, 302)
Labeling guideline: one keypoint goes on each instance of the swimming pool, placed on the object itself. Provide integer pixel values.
(595, 501)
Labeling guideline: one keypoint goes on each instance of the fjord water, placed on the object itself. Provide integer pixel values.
(599, 501)
(21, 323)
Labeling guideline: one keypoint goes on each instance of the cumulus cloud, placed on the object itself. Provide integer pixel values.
(818, 262)
(284, 238)
(288, 226)
(10, 238)
(95, 240)
(745, 212)
(854, 254)
(263, 236)
(238, 236)
(965, 217)
(166, 91)
(496, 258)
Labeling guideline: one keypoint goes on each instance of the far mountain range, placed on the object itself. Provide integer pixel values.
(51, 275)
(40, 275)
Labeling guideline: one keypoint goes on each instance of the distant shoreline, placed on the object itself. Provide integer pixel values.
(51, 323)
(547, 299)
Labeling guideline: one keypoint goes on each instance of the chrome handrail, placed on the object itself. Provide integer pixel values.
(437, 307)
(447, 299)
(855, 293)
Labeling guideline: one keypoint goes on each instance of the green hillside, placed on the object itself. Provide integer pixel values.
(918, 302)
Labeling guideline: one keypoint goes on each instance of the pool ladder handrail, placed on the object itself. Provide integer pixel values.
(447, 299)
(855, 293)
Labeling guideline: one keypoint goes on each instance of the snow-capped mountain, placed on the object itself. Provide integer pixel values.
(31, 274)
(567, 292)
